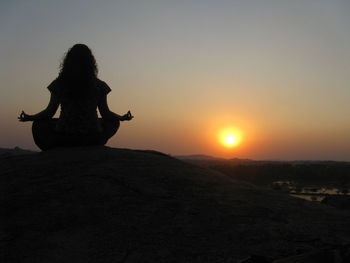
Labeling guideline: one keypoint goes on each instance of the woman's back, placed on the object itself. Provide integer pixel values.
(79, 111)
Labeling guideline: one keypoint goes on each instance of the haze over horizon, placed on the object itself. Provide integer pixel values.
(278, 71)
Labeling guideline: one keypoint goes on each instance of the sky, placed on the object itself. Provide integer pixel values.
(277, 71)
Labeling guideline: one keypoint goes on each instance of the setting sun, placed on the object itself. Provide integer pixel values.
(230, 137)
(230, 140)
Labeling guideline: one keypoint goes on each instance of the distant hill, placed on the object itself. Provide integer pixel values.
(15, 151)
(205, 160)
(264, 172)
(203, 157)
(197, 157)
(100, 204)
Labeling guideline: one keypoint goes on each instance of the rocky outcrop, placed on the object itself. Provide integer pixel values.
(101, 204)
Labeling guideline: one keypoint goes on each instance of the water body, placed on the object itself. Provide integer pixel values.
(310, 193)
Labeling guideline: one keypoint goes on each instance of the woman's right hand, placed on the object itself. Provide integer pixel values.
(24, 117)
(127, 116)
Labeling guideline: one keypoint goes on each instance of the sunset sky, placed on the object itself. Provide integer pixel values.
(276, 71)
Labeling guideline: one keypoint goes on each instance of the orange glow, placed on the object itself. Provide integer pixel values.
(230, 137)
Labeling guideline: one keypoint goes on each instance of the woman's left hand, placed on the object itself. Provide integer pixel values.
(24, 117)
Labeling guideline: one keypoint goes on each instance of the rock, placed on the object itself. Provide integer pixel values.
(254, 259)
(316, 256)
(101, 204)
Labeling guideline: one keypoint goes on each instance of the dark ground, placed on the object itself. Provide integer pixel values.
(116, 205)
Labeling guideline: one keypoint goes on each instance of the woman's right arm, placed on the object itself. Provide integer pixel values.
(45, 114)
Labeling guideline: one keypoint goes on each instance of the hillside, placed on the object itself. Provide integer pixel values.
(264, 173)
(101, 204)
(15, 151)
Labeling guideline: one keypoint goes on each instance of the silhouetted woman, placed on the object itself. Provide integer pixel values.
(79, 92)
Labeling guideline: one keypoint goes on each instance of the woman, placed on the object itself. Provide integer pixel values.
(79, 93)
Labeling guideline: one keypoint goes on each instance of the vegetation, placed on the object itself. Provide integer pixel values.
(323, 173)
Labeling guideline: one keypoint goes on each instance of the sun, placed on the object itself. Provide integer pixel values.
(230, 137)
(230, 140)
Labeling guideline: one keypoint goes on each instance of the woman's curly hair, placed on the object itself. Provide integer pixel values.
(78, 68)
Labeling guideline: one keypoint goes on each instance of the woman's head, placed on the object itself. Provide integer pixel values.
(78, 65)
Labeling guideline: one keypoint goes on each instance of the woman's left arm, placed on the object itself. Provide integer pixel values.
(45, 114)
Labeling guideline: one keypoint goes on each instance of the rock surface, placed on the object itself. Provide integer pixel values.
(101, 204)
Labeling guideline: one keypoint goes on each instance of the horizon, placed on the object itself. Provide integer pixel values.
(204, 156)
(278, 72)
